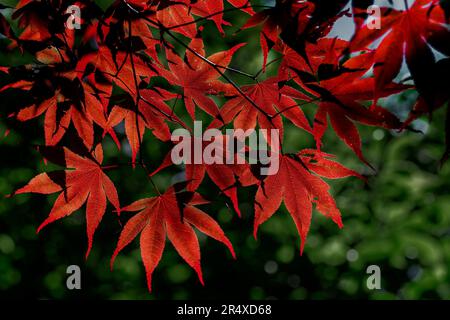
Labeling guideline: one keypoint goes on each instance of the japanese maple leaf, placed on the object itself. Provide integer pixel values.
(197, 77)
(224, 176)
(81, 107)
(341, 90)
(59, 113)
(297, 23)
(299, 188)
(119, 68)
(408, 33)
(151, 113)
(63, 100)
(325, 52)
(85, 182)
(275, 20)
(171, 214)
(269, 103)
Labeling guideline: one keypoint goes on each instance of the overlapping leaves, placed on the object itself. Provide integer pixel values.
(89, 83)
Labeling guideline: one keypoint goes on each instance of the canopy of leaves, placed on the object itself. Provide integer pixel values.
(137, 67)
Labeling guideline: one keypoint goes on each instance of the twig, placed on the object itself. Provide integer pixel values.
(138, 98)
(215, 14)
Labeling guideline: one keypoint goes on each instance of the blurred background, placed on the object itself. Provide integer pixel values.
(399, 221)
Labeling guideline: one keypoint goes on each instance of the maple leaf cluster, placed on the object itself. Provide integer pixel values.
(86, 83)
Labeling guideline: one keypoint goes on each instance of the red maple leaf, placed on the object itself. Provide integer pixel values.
(300, 189)
(264, 104)
(151, 113)
(197, 77)
(277, 19)
(86, 183)
(119, 69)
(172, 214)
(223, 174)
(341, 89)
(130, 58)
(59, 113)
(409, 33)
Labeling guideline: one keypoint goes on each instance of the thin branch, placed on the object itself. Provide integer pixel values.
(168, 116)
(138, 98)
(165, 30)
(297, 105)
(119, 68)
(175, 103)
(242, 73)
(268, 64)
(218, 69)
(215, 14)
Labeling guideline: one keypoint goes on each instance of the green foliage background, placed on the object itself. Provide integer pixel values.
(400, 221)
